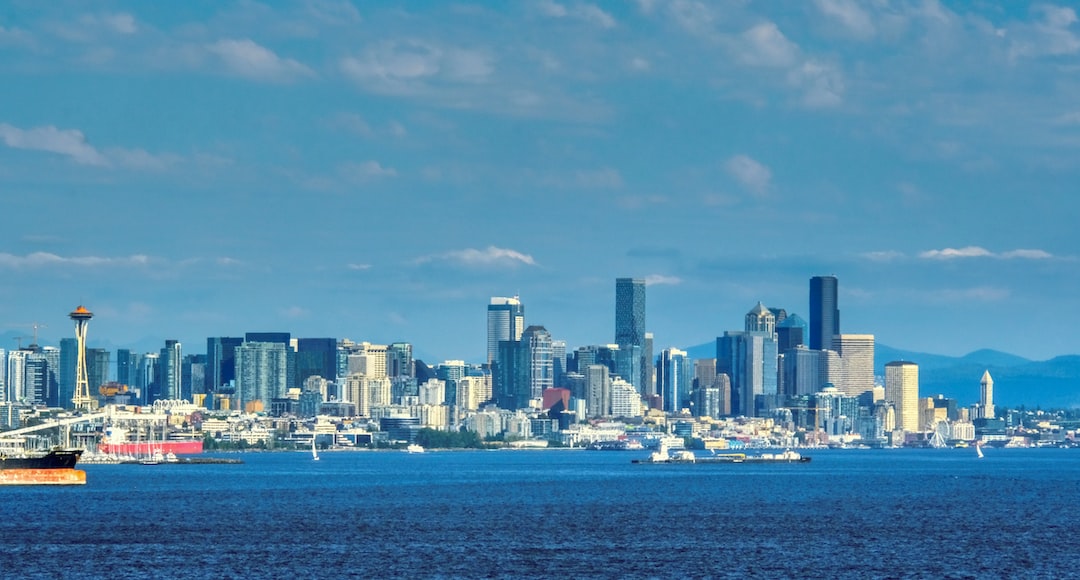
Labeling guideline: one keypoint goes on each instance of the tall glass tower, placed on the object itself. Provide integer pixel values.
(630, 332)
(824, 312)
(505, 321)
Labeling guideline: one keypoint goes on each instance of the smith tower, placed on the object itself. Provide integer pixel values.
(635, 359)
(824, 312)
(82, 399)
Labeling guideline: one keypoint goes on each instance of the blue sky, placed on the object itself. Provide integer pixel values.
(378, 170)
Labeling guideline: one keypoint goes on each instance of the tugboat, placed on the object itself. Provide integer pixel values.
(57, 467)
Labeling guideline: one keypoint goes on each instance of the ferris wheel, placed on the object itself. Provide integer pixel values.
(940, 433)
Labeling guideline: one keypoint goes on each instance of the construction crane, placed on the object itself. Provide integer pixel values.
(20, 339)
(36, 326)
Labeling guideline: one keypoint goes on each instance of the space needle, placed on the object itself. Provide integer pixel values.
(82, 400)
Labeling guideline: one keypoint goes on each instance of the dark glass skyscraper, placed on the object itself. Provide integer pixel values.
(221, 361)
(824, 312)
(316, 357)
(630, 331)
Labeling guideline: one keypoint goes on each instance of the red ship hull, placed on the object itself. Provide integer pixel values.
(193, 447)
(64, 476)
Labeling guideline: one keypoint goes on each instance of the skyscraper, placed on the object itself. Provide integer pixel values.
(261, 374)
(856, 362)
(986, 395)
(65, 374)
(221, 361)
(505, 321)
(170, 372)
(790, 332)
(902, 389)
(824, 311)
(749, 359)
(674, 379)
(316, 357)
(126, 366)
(630, 331)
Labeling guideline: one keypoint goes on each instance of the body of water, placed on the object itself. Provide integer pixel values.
(860, 514)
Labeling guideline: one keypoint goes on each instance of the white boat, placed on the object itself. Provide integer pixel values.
(414, 448)
(314, 451)
(978, 450)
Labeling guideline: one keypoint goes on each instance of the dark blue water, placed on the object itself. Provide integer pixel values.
(859, 514)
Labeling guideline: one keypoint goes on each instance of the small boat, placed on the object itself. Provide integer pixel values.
(314, 450)
(414, 448)
(978, 451)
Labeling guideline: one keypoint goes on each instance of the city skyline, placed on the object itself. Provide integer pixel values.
(380, 171)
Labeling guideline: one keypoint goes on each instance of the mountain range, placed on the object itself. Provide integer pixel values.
(1053, 383)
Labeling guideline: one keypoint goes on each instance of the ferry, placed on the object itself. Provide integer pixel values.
(662, 457)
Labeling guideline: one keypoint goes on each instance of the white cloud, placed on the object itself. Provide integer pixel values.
(1052, 36)
(366, 171)
(69, 142)
(765, 45)
(42, 259)
(822, 84)
(605, 178)
(882, 256)
(751, 174)
(952, 253)
(588, 13)
(294, 312)
(245, 58)
(490, 256)
(358, 125)
(121, 22)
(407, 67)
(640, 64)
(1027, 254)
(660, 279)
(850, 15)
(357, 267)
(980, 252)
(73, 144)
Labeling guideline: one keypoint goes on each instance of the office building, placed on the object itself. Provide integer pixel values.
(261, 374)
(824, 311)
(749, 359)
(505, 322)
(790, 332)
(221, 362)
(902, 390)
(630, 332)
(170, 377)
(674, 379)
(856, 362)
(65, 374)
(316, 357)
(598, 391)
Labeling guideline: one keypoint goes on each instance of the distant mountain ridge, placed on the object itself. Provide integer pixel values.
(1017, 380)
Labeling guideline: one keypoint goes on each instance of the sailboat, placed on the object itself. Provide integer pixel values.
(314, 451)
(978, 450)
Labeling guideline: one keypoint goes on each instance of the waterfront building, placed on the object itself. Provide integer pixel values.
(856, 362)
(261, 374)
(902, 389)
(630, 332)
(824, 311)
(505, 322)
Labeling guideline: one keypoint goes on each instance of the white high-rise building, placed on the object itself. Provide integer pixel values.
(902, 389)
(856, 363)
(505, 321)
(625, 400)
(16, 375)
(433, 392)
(986, 395)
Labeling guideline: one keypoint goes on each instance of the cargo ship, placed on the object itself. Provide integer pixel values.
(57, 467)
(662, 457)
(117, 442)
